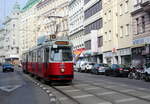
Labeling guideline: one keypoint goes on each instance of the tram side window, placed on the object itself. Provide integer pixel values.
(40, 56)
(67, 54)
(29, 57)
(56, 55)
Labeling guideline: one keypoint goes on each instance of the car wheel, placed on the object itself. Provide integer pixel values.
(146, 77)
(96, 72)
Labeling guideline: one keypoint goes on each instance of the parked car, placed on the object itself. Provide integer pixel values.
(79, 66)
(117, 70)
(7, 67)
(146, 74)
(89, 66)
(99, 68)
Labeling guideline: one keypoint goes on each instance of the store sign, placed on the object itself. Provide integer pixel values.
(141, 40)
(126, 51)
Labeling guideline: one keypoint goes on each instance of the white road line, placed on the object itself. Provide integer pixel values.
(71, 90)
(147, 96)
(106, 93)
(63, 98)
(127, 90)
(92, 88)
(82, 85)
(125, 100)
(111, 86)
(83, 96)
(105, 103)
(63, 86)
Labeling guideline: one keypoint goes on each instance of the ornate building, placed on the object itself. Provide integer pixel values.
(11, 38)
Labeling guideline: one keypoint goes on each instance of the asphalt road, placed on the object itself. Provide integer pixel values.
(17, 89)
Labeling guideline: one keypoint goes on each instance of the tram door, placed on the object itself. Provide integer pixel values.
(26, 64)
(46, 57)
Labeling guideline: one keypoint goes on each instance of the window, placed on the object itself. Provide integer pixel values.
(109, 35)
(93, 10)
(87, 44)
(109, 15)
(143, 24)
(93, 26)
(127, 29)
(86, 1)
(137, 25)
(105, 36)
(121, 9)
(126, 6)
(121, 31)
(100, 41)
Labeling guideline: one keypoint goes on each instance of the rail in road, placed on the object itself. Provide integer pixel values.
(86, 92)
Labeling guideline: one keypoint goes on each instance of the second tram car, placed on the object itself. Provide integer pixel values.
(51, 61)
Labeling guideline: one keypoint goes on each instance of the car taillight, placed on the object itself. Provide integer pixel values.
(120, 69)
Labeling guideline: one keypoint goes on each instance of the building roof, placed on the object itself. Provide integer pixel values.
(30, 4)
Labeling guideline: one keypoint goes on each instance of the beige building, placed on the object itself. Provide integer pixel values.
(117, 31)
(141, 32)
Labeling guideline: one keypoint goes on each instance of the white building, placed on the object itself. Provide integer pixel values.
(11, 26)
(93, 24)
(2, 50)
(76, 29)
(28, 25)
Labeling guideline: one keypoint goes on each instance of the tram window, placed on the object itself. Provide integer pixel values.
(61, 54)
(67, 54)
(56, 55)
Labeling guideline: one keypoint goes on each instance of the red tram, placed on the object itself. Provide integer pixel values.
(51, 61)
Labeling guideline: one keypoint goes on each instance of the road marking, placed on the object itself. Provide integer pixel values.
(82, 85)
(125, 100)
(71, 90)
(83, 96)
(127, 90)
(63, 98)
(106, 93)
(147, 96)
(105, 103)
(9, 88)
(93, 88)
(111, 86)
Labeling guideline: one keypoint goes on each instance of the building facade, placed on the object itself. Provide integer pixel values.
(117, 34)
(52, 17)
(141, 32)
(2, 49)
(28, 25)
(93, 34)
(11, 38)
(76, 28)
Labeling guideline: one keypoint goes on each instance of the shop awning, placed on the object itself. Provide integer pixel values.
(138, 45)
(78, 51)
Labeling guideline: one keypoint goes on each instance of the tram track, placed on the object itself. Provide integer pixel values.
(77, 101)
(144, 99)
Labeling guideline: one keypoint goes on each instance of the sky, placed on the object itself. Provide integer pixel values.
(6, 7)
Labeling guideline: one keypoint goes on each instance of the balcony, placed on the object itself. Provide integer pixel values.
(145, 4)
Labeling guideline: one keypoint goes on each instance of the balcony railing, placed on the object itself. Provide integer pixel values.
(145, 4)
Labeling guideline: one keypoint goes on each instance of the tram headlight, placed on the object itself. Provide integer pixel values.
(62, 70)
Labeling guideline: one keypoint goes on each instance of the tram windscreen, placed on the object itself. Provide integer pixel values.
(61, 54)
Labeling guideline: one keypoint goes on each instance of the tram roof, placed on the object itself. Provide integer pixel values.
(50, 43)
